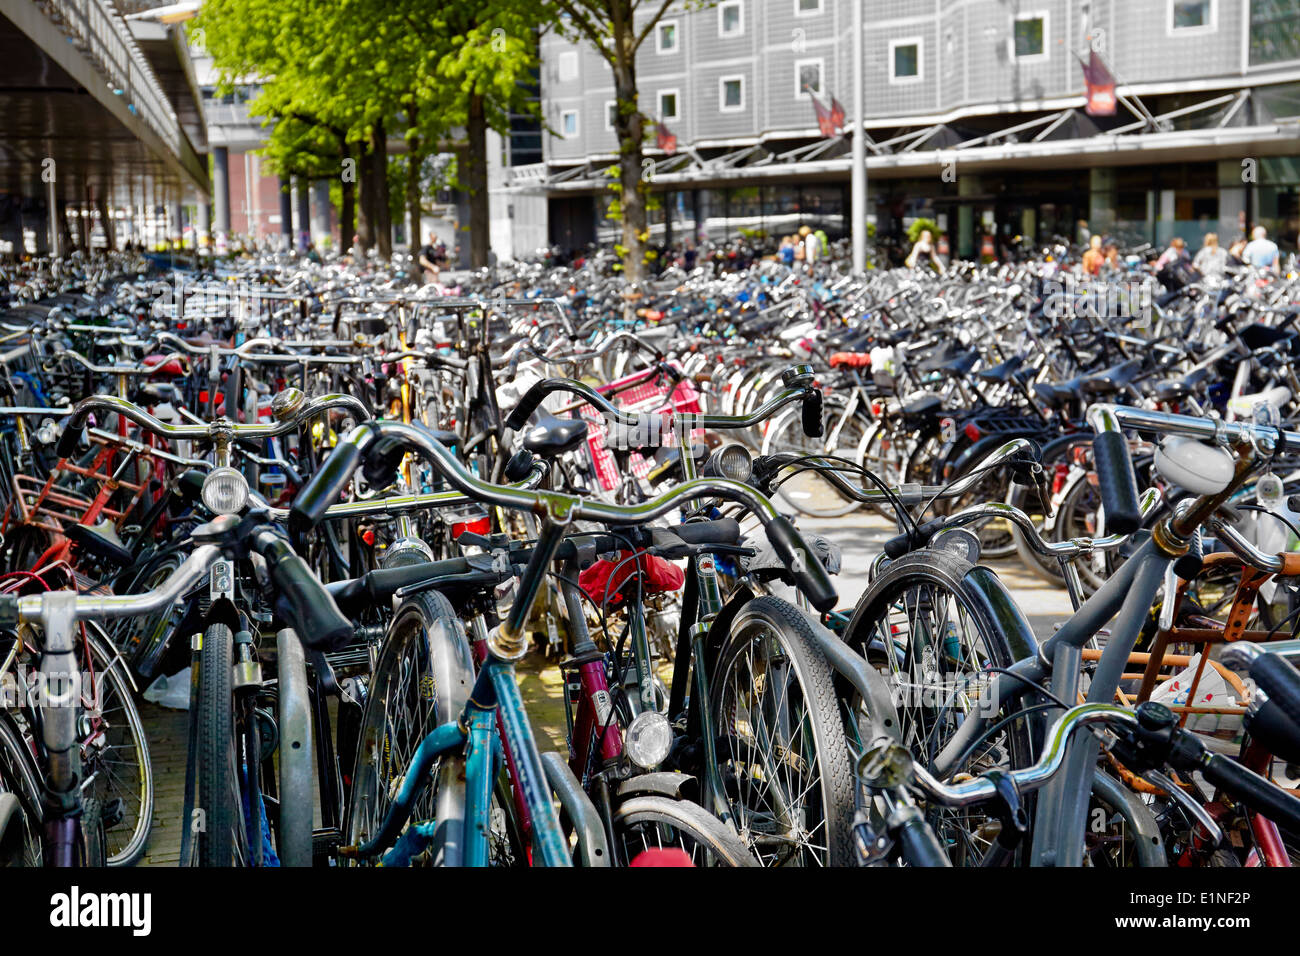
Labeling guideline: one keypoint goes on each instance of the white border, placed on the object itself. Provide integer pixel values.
(722, 88)
(1047, 37)
(1211, 27)
(799, 92)
(609, 126)
(821, 8)
(895, 80)
(740, 32)
(677, 37)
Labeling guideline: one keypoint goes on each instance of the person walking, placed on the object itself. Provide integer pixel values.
(924, 250)
(1261, 252)
(1176, 252)
(1212, 260)
(1094, 258)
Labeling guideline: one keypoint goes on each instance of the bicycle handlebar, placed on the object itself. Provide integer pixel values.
(313, 500)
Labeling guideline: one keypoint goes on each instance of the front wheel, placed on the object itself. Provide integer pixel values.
(782, 753)
(652, 822)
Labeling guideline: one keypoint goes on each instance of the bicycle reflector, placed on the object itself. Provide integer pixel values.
(649, 738)
(225, 491)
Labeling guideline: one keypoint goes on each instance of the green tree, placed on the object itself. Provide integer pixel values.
(617, 29)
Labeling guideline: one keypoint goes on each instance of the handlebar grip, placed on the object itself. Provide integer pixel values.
(920, 845)
(812, 414)
(802, 563)
(1280, 681)
(1253, 790)
(1117, 483)
(303, 599)
(67, 444)
(323, 488)
(1270, 726)
(520, 414)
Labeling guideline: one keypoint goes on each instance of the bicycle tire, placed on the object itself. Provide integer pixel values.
(22, 838)
(798, 673)
(217, 788)
(687, 826)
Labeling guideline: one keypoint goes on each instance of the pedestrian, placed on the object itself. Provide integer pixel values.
(924, 250)
(1261, 252)
(1111, 252)
(1212, 260)
(786, 250)
(432, 258)
(1176, 252)
(811, 246)
(1094, 258)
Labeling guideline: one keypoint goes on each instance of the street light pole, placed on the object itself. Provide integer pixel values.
(859, 185)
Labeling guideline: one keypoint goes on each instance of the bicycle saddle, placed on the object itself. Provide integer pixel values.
(101, 540)
(1003, 371)
(553, 436)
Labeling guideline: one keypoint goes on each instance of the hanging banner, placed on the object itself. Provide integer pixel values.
(665, 139)
(1100, 84)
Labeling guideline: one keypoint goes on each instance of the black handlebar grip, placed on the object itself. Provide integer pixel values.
(802, 563)
(1253, 790)
(920, 846)
(1268, 724)
(323, 488)
(812, 413)
(1188, 566)
(1117, 483)
(303, 599)
(67, 444)
(520, 414)
(1280, 681)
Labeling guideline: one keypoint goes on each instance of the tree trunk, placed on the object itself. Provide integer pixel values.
(414, 160)
(383, 209)
(629, 124)
(476, 181)
(348, 210)
(366, 208)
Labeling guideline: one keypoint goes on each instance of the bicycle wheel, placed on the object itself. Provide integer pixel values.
(217, 824)
(118, 756)
(406, 701)
(809, 492)
(651, 822)
(781, 742)
(933, 624)
(21, 836)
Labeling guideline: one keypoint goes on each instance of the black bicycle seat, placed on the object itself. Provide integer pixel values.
(553, 436)
(101, 541)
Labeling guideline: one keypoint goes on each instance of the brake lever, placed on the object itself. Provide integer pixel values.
(1189, 805)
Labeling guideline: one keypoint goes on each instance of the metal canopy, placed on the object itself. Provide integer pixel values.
(1215, 126)
(76, 89)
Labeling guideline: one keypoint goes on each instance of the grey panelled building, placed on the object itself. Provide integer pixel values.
(974, 112)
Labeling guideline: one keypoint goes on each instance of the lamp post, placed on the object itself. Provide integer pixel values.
(859, 184)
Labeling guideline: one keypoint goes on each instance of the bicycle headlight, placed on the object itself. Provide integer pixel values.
(649, 738)
(732, 460)
(225, 491)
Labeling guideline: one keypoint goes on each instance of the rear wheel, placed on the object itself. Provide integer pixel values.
(651, 822)
(21, 835)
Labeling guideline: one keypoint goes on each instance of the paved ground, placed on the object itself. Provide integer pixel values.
(859, 537)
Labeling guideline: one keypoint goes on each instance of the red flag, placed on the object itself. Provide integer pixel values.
(825, 119)
(837, 115)
(1100, 84)
(665, 140)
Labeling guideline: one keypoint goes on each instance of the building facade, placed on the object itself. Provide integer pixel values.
(974, 114)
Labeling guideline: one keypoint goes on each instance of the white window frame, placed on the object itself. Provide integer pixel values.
(677, 37)
(568, 56)
(816, 11)
(799, 93)
(920, 61)
(1047, 37)
(1211, 27)
(659, 103)
(740, 30)
(577, 124)
(722, 93)
(609, 104)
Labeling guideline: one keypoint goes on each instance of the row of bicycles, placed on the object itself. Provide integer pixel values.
(359, 517)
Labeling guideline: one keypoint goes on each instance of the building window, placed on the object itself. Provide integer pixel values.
(731, 94)
(568, 66)
(1029, 36)
(806, 8)
(668, 104)
(1192, 16)
(611, 114)
(807, 78)
(1274, 32)
(731, 19)
(905, 60)
(569, 123)
(666, 37)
